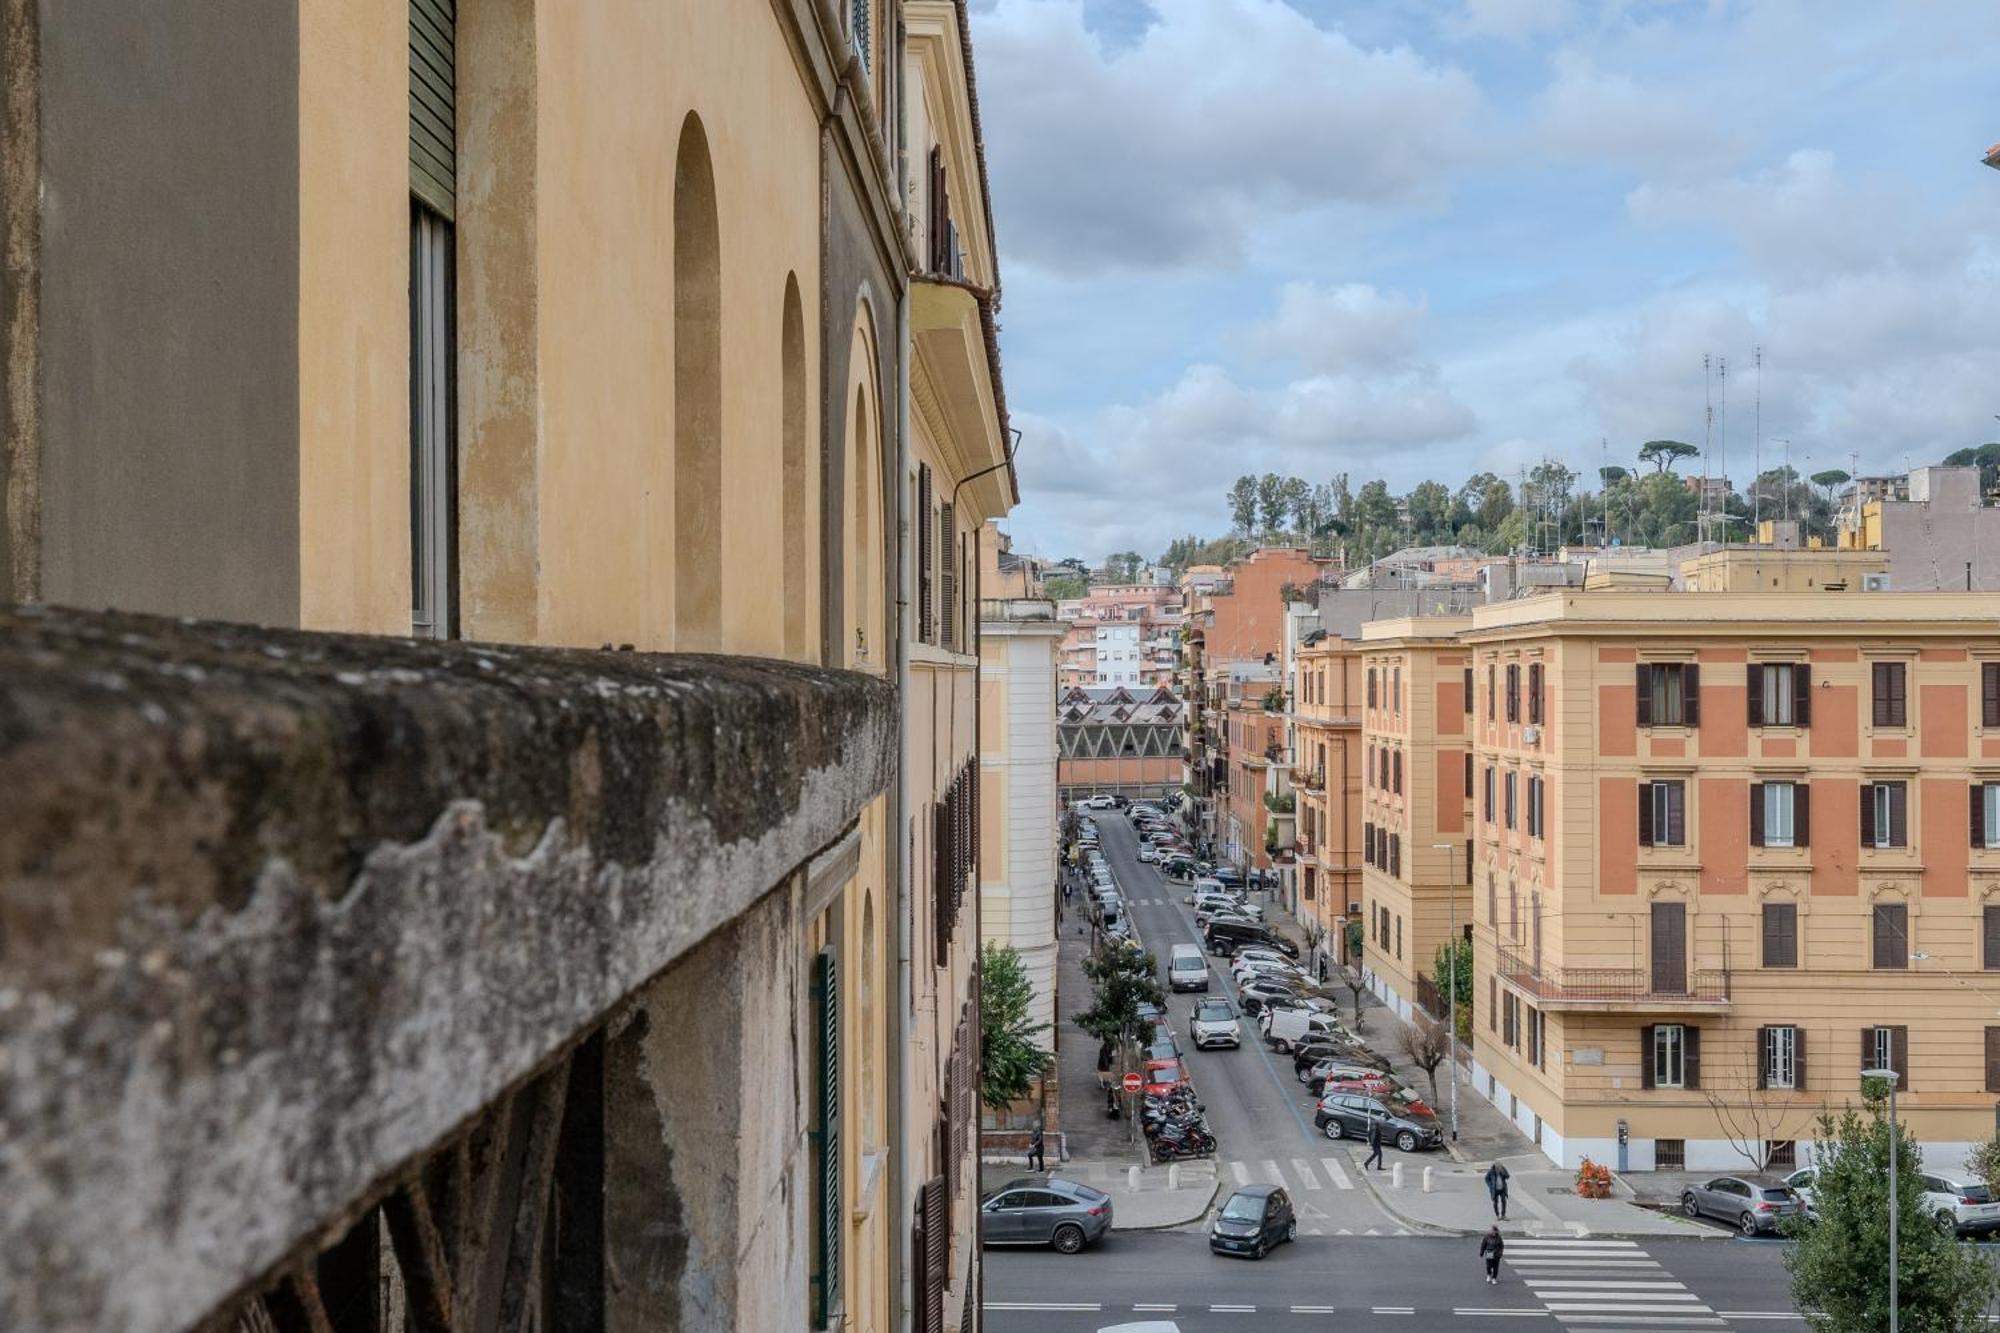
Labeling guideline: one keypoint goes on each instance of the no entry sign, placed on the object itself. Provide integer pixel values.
(1134, 1082)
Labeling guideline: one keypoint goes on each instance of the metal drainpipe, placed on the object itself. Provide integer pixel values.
(899, 1159)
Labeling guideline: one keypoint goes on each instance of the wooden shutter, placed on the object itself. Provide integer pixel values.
(1978, 793)
(1989, 936)
(1396, 781)
(1899, 814)
(948, 582)
(1989, 694)
(1646, 1055)
(1676, 814)
(924, 557)
(1763, 1058)
(1799, 1058)
(1691, 1057)
(1489, 691)
(1891, 702)
(1878, 673)
(1669, 948)
(1756, 814)
(1534, 691)
(1899, 1056)
(1993, 1059)
(433, 104)
(1753, 703)
(1867, 814)
(1691, 694)
(1645, 814)
(1644, 698)
(1891, 943)
(1801, 814)
(1868, 1047)
(1781, 935)
(936, 1228)
(1802, 695)
(1468, 693)
(825, 990)
(1513, 691)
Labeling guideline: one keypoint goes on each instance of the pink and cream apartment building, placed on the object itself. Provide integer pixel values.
(1730, 849)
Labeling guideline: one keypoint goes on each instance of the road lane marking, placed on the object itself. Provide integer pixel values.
(1339, 1173)
(1270, 1174)
(1241, 1173)
(1085, 1306)
(1157, 1309)
(1516, 1311)
(1312, 1309)
(1762, 1314)
(1620, 1307)
(1307, 1176)
(1394, 1309)
(1575, 1243)
(1232, 1309)
(1628, 1297)
(1618, 1284)
(1578, 1322)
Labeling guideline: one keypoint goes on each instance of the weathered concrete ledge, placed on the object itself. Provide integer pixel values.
(278, 910)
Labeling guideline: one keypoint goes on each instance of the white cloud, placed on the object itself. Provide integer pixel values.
(1165, 151)
(1333, 329)
(1588, 113)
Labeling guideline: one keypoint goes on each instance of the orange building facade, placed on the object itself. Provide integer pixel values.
(1729, 850)
(1327, 785)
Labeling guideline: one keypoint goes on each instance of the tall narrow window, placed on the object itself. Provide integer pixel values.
(1779, 694)
(947, 578)
(433, 428)
(1468, 691)
(1885, 814)
(697, 397)
(1669, 948)
(1662, 814)
(1891, 932)
(795, 512)
(1784, 1058)
(1513, 692)
(1781, 934)
(1534, 691)
(861, 24)
(1669, 694)
(1986, 815)
(1989, 694)
(1777, 811)
(1891, 702)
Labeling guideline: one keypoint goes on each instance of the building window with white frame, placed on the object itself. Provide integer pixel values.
(1669, 1055)
(1781, 1065)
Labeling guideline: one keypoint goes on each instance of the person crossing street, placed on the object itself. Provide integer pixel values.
(1374, 1162)
(1490, 1248)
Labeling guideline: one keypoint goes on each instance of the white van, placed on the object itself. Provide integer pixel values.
(1187, 969)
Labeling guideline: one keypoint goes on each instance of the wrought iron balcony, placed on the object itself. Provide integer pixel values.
(1553, 986)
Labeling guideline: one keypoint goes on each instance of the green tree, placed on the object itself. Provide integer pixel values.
(1295, 494)
(1489, 498)
(1243, 504)
(1610, 476)
(1010, 1060)
(1062, 587)
(1663, 454)
(1430, 512)
(1840, 1263)
(1984, 1161)
(1442, 967)
(1271, 501)
(1121, 980)
(1986, 457)
(1831, 478)
(1124, 566)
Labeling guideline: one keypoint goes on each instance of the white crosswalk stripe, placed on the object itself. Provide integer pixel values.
(1302, 1171)
(1336, 1173)
(1606, 1284)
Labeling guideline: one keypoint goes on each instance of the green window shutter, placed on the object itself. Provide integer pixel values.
(826, 1138)
(433, 104)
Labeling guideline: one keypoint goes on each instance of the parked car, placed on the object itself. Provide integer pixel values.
(1258, 952)
(1800, 1184)
(1213, 1023)
(1225, 937)
(1213, 904)
(1147, 853)
(1751, 1206)
(1347, 1115)
(1163, 1076)
(1961, 1203)
(1230, 878)
(1315, 1050)
(1101, 803)
(1331, 1076)
(1246, 969)
(1163, 1046)
(1288, 1021)
(1056, 1212)
(1255, 994)
(1254, 1219)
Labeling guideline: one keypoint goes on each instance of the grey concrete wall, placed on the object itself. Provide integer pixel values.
(169, 307)
(280, 912)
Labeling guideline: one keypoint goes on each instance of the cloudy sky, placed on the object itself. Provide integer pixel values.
(1421, 238)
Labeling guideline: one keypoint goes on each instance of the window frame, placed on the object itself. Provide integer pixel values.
(1669, 1055)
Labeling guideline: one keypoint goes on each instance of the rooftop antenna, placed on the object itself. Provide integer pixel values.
(1722, 437)
(1707, 444)
(1757, 446)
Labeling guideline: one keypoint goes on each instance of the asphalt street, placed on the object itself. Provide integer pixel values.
(1260, 1113)
(1405, 1283)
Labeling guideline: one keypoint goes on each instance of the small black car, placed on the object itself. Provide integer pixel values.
(1255, 1218)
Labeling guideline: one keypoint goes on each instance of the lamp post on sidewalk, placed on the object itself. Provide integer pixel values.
(1450, 851)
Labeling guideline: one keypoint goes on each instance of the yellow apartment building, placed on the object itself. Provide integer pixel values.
(1327, 782)
(1752, 846)
(1415, 795)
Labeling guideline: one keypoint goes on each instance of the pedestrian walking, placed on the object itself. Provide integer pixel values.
(1496, 1187)
(1374, 1161)
(1490, 1246)
(1035, 1162)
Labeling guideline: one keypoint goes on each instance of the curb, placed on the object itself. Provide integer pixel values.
(1382, 1198)
(1207, 1203)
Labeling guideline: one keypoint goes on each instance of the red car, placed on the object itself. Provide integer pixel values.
(1164, 1076)
(1378, 1085)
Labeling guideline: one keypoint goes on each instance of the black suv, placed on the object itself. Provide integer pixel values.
(1346, 1115)
(1311, 1050)
(1226, 937)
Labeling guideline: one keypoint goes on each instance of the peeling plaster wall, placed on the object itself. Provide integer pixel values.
(213, 1038)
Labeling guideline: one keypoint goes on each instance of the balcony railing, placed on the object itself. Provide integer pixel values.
(1554, 986)
(1312, 779)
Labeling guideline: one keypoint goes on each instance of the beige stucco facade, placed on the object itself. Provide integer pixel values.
(1327, 782)
(1704, 875)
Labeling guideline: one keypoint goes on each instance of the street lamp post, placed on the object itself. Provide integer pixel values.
(1451, 974)
(1892, 1078)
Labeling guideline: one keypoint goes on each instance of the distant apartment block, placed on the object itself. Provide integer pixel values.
(1730, 849)
(1939, 531)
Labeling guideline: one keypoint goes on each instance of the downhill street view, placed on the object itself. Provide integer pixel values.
(999, 666)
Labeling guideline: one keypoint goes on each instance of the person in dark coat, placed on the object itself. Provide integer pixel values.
(1035, 1162)
(1374, 1145)
(1490, 1246)
(1496, 1187)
